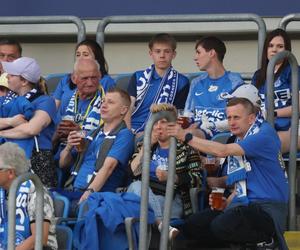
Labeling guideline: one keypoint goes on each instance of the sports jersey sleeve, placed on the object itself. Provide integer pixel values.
(107, 82)
(123, 147)
(189, 104)
(266, 134)
(59, 91)
(47, 104)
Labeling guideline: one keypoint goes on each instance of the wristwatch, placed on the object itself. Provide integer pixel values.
(188, 137)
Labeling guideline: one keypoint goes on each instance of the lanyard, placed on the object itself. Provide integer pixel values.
(78, 117)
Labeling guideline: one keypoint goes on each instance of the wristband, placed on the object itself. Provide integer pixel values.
(91, 190)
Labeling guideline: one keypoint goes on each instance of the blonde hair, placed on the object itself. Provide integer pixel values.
(155, 108)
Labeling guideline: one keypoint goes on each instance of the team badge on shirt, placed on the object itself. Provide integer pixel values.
(213, 88)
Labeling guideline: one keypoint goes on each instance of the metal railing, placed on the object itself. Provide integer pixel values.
(39, 210)
(294, 126)
(47, 19)
(287, 19)
(186, 18)
(145, 183)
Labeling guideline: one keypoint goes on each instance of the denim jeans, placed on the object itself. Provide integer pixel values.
(157, 201)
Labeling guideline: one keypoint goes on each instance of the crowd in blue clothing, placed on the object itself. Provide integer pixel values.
(111, 120)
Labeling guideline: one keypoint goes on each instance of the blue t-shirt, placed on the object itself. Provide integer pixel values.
(16, 106)
(63, 90)
(141, 115)
(205, 96)
(47, 104)
(267, 179)
(121, 150)
(159, 157)
(282, 95)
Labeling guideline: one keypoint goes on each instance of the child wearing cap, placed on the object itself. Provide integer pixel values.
(12, 105)
(3, 85)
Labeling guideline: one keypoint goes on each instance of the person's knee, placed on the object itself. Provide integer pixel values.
(135, 187)
(220, 229)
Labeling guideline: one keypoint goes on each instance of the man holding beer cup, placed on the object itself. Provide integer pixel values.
(256, 211)
(82, 110)
(114, 138)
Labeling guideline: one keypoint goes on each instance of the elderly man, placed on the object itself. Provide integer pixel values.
(103, 165)
(12, 164)
(256, 210)
(83, 108)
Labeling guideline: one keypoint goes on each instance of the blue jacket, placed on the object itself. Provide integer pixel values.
(104, 222)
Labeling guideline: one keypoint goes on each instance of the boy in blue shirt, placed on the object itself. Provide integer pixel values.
(207, 91)
(160, 83)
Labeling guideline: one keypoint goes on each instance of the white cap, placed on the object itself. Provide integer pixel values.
(248, 91)
(24, 66)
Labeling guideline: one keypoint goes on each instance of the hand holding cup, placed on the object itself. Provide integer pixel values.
(216, 199)
(184, 118)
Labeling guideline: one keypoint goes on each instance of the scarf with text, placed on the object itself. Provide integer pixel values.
(165, 94)
(90, 119)
(238, 166)
(22, 217)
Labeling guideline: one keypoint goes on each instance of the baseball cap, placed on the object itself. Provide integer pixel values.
(3, 80)
(24, 66)
(248, 91)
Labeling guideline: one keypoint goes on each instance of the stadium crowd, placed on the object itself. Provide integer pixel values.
(86, 139)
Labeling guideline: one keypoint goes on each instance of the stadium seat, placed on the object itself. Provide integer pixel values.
(122, 81)
(64, 236)
(61, 205)
(52, 80)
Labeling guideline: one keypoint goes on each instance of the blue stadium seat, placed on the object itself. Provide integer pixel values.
(52, 80)
(61, 205)
(64, 236)
(122, 81)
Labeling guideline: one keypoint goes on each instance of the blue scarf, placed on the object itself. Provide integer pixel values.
(22, 217)
(238, 166)
(165, 94)
(90, 119)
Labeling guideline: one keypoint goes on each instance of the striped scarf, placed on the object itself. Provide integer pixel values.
(91, 119)
(165, 94)
(238, 166)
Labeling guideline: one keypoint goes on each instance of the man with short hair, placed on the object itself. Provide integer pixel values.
(10, 50)
(13, 163)
(160, 83)
(103, 165)
(207, 91)
(83, 107)
(257, 208)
